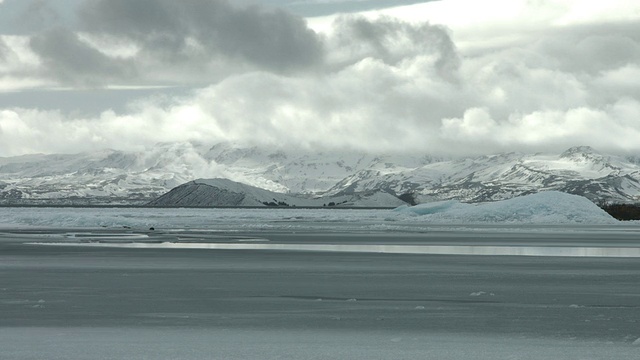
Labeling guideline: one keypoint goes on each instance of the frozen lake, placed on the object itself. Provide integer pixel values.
(317, 284)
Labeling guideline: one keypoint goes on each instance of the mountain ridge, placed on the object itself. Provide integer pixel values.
(112, 177)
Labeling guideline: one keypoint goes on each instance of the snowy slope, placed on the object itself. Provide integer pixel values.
(548, 207)
(118, 177)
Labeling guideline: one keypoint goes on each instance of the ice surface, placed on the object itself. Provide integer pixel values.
(171, 343)
(550, 207)
(96, 302)
(90, 303)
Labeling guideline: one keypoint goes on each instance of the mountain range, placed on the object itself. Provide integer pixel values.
(301, 177)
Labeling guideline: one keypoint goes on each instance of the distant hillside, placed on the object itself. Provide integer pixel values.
(224, 192)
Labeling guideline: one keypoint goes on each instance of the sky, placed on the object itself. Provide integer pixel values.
(447, 77)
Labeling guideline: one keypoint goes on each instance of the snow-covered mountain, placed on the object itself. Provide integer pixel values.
(579, 170)
(118, 177)
(302, 171)
(103, 177)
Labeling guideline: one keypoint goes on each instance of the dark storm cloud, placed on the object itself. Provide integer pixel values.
(392, 41)
(166, 29)
(72, 61)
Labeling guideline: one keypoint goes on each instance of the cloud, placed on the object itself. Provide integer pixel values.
(620, 81)
(369, 105)
(391, 41)
(4, 49)
(18, 65)
(37, 15)
(72, 61)
(476, 124)
(166, 42)
(594, 48)
(612, 128)
(194, 31)
(326, 7)
(372, 83)
(160, 42)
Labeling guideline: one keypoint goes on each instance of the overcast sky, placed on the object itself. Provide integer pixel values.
(453, 77)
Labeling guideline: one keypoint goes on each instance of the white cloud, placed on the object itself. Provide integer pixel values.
(580, 12)
(365, 107)
(476, 124)
(613, 128)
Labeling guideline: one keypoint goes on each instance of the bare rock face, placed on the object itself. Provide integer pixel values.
(193, 194)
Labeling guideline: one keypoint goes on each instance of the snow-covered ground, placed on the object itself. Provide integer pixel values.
(537, 209)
